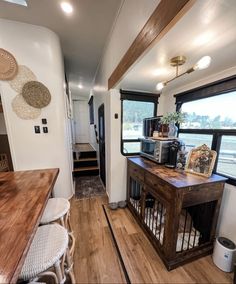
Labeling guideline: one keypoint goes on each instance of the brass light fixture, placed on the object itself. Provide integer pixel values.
(177, 61)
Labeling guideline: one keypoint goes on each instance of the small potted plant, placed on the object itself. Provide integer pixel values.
(168, 126)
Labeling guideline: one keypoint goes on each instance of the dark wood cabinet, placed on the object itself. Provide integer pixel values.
(177, 211)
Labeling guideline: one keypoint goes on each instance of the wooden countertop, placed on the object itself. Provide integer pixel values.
(23, 196)
(176, 178)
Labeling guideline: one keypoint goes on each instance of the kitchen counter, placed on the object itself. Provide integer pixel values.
(23, 197)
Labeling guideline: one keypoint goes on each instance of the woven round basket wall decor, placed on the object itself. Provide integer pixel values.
(8, 65)
(23, 110)
(23, 76)
(36, 94)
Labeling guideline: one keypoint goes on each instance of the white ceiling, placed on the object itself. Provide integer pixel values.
(83, 34)
(209, 28)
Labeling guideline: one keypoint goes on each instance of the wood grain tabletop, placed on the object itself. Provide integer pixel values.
(23, 197)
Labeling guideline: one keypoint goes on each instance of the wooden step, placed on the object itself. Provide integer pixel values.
(93, 168)
(85, 160)
(83, 147)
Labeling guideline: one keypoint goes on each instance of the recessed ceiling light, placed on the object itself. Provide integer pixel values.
(67, 7)
(80, 86)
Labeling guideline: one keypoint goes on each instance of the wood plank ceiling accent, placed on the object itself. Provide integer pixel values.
(165, 16)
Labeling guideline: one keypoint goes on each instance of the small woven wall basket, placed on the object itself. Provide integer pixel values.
(36, 94)
(8, 65)
(23, 76)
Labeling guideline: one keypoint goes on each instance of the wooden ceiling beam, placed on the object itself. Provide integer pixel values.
(165, 16)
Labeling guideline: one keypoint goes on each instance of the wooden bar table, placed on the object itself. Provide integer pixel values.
(23, 197)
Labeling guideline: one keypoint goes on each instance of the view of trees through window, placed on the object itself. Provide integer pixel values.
(133, 114)
(209, 114)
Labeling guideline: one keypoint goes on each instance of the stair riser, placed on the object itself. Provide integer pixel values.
(83, 155)
(80, 164)
(86, 173)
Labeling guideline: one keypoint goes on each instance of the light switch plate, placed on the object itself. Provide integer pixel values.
(37, 129)
(44, 121)
(45, 129)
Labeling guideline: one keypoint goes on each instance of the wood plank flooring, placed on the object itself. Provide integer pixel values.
(96, 259)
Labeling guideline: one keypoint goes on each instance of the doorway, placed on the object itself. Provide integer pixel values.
(102, 148)
(81, 121)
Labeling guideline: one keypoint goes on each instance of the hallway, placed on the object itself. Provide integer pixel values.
(96, 258)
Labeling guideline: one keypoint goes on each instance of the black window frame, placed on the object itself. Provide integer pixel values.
(135, 96)
(216, 88)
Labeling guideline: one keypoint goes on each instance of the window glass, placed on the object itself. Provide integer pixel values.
(194, 140)
(131, 147)
(133, 114)
(227, 156)
(216, 112)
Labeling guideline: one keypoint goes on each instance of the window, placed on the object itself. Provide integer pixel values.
(211, 120)
(135, 107)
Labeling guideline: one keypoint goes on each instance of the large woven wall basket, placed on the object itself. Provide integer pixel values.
(8, 65)
(36, 94)
(23, 110)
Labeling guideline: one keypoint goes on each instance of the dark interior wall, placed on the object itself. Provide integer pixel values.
(5, 149)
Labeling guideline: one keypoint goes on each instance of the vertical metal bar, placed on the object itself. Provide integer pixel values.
(157, 217)
(131, 188)
(190, 233)
(139, 203)
(153, 212)
(135, 182)
(149, 215)
(160, 221)
(185, 221)
(194, 237)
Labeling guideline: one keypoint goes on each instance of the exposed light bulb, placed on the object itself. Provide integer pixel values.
(160, 86)
(80, 86)
(67, 7)
(203, 63)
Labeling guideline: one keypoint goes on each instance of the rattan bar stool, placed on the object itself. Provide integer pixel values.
(47, 254)
(58, 210)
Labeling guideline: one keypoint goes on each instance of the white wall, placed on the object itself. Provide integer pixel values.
(131, 18)
(39, 49)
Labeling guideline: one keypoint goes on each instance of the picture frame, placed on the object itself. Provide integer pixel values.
(201, 161)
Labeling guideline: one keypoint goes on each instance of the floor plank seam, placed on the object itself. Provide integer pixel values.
(117, 248)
